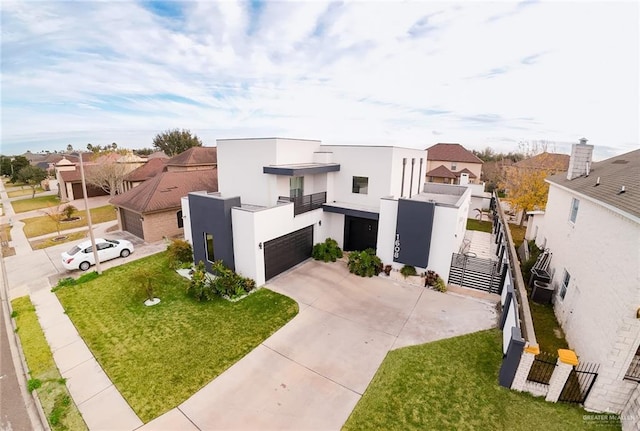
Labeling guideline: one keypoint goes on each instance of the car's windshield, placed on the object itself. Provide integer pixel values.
(74, 250)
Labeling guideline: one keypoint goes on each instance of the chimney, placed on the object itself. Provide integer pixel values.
(580, 161)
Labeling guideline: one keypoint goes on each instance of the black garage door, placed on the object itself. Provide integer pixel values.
(360, 233)
(282, 253)
(131, 223)
(92, 191)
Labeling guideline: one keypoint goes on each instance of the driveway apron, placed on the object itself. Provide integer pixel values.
(312, 372)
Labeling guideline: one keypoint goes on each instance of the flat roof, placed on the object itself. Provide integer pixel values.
(353, 210)
(439, 199)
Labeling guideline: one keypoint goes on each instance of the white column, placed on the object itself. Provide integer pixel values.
(566, 361)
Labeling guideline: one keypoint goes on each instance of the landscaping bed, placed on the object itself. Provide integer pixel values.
(159, 356)
(453, 384)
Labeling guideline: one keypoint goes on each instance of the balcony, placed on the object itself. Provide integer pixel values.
(306, 203)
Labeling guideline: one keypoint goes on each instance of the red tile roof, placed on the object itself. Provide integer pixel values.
(451, 153)
(465, 171)
(164, 191)
(149, 170)
(441, 172)
(195, 156)
(73, 176)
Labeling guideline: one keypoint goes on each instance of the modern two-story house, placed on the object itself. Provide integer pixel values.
(277, 197)
(592, 226)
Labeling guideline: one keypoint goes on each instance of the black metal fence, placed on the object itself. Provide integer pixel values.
(306, 203)
(542, 368)
(579, 383)
(477, 273)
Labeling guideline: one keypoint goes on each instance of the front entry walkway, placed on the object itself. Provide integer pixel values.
(312, 372)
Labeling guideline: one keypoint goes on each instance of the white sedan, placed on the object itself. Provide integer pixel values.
(81, 255)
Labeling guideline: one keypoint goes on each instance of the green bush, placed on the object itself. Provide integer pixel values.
(228, 283)
(180, 253)
(200, 286)
(525, 267)
(364, 263)
(435, 281)
(408, 270)
(327, 251)
(33, 384)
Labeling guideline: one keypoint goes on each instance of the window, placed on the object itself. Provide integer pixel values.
(565, 284)
(180, 220)
(575, 203)
(296, 187)
(208, 240)
(633, 373)
(454, 166)
(360, 185)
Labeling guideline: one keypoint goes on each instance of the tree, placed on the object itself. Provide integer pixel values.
(17, 163)
(32, 176)
(54, 213)
(175, 141)
(5, 166)
(143, 151)
(69, 148)
(108, 176)
(526, 189)
(68, 211)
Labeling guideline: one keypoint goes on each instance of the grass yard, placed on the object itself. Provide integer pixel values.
(39, 202)
(57, 404)
(159, 356)
(42, 225)
(50, 242)
(5, 237)
(482, 226)
(24, 192)
(452, 384)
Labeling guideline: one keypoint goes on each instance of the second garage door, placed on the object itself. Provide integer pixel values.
(131, 222)
(286, 251)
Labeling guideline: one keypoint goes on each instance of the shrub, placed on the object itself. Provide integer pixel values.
(180, 252)
(435, 281)
(229, 284)
(33, 384)
(364, 263)
(387, 269)
(68, 211)
(144, 279)
(200, 286)
(327, 251)
(408, 270)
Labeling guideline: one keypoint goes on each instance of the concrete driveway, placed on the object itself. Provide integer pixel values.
(312, 372)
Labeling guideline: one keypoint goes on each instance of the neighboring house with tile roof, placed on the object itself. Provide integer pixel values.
(70, 181)
(193, 159)
(550, 162)
(447, 163)
(149, 170)
(150, 207)
(591, 226)
(152, 210)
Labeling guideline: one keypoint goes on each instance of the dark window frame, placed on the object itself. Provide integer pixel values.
(209, 247)
(180, 219)
(357, 185)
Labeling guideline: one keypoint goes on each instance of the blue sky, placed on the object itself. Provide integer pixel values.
(389, 73)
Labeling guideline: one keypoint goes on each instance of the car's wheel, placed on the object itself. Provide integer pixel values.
(84, 266)
(125, 252)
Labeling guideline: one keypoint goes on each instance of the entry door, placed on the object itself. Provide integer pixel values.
(360, 233)
(287, 251)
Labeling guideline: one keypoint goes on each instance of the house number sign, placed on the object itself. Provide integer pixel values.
(396, 247)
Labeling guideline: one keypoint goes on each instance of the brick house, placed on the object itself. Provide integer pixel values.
(150, 208)
(447, 163)
(592, 226)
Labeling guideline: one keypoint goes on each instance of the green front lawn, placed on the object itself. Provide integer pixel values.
(39, 202)
(482, 226)
(452, 384)
(24, 192)
(159, 356)
(42, 225)
(44, 376)
(39, 244)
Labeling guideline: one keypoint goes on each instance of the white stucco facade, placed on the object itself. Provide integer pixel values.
(262, 172)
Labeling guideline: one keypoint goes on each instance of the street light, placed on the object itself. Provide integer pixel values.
(86, 207)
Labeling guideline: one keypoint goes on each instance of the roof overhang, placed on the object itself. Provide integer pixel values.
(297, 170)
(351, 210)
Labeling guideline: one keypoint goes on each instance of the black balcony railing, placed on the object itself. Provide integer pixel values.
(306, 203)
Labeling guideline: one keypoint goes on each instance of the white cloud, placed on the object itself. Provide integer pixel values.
(411, 73)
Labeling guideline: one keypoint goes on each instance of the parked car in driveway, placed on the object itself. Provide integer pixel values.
(81, 255)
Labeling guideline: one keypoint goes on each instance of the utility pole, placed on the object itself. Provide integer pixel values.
(86, 207)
